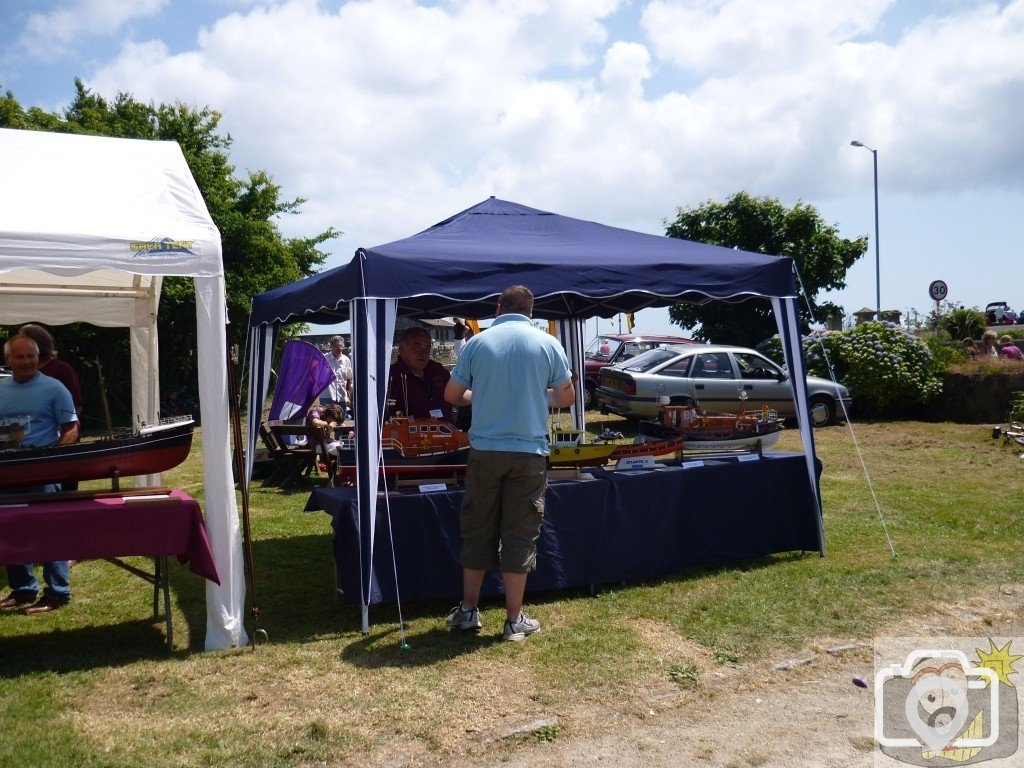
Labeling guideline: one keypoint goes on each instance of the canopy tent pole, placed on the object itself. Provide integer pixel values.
(243, 486)
(786, 318)
(373, 328)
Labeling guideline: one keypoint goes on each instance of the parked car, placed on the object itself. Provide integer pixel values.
(712, 377)
(613, 348)
(999, 313)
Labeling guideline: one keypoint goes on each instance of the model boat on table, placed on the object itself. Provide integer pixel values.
(703, 431)
(566, 448)
(146, 450)
(424, 446)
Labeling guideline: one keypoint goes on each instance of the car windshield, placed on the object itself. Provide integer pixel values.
(602, 348)
(648, 360)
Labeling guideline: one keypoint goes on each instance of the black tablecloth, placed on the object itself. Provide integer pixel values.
(618, 526)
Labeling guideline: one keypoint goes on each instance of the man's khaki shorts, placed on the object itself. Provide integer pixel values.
(502, 510)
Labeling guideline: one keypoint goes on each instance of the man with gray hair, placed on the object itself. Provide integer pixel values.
(339, 391)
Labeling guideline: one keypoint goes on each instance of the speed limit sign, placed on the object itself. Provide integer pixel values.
(937, 290)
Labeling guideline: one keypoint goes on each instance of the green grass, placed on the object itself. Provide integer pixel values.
(92, 685)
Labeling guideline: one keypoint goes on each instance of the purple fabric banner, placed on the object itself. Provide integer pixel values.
(302, 375)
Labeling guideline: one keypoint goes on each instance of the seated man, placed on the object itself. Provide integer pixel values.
(416, 383)
(46, 405)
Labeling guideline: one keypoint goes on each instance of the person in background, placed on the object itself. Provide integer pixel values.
(1008, 349)
(416, 383)
(511, 375)
(971, 348)
(462, 334)
(46, 405)
(339, 391)
(50, 365)
(328, 418)
(989, 340)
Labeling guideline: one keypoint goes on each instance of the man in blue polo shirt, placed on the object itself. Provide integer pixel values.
(45, 406)
(511, 374)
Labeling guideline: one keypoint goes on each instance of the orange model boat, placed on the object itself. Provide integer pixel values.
(413, 445)
(649, 448)
(715, 430)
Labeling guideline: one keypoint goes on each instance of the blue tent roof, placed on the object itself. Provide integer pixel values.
(574, 268)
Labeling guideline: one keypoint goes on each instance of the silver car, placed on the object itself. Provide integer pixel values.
(715, 378)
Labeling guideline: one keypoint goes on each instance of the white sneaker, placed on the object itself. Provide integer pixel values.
(460, 618)
(519, 629)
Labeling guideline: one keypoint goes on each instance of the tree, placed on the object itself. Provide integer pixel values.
(256, 256)
(764, 225)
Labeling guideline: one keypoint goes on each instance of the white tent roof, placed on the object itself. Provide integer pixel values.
(88, 228)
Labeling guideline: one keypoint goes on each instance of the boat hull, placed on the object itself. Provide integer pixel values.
(767, 440)
(716, 431)
(585, 455)
(395, 463)
(107, 458)
(650, 448)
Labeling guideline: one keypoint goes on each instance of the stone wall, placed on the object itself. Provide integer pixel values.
(975, 398)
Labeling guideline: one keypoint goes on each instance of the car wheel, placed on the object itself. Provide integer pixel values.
(588, 396)
(823, 411)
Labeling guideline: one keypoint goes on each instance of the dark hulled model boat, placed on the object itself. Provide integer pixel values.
(145, 451)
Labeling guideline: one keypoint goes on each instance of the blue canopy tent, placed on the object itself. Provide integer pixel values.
(576, 269)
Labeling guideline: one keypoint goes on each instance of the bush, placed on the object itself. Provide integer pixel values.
(1016, 407)
(963, 323)
(945, 353)
(884, 367)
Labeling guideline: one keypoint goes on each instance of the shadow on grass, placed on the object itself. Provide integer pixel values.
(294, 589)
(385, 648)
(79, 638)
(83, 648)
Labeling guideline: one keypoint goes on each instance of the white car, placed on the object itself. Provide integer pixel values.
(716, 378)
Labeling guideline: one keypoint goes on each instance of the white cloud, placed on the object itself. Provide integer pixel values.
(729, 35)
(388, 115)
(48, 34)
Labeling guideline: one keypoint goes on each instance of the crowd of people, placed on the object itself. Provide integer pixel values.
(993, 346)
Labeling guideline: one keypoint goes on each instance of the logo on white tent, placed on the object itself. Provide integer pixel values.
(161, 246)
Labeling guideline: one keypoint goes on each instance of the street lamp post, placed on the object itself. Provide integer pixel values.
(878, 262)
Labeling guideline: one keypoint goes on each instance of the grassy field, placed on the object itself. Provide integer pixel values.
(92, 685)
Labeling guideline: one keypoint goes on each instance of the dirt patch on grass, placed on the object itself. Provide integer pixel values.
(800, 710)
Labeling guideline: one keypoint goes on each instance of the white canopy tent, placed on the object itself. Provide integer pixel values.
(89, 227)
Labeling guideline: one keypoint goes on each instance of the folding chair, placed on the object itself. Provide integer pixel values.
(300, 445)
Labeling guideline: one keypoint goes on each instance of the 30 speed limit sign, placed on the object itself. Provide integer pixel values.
(937, 290)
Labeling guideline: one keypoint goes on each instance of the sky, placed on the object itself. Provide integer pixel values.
(390, 115)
